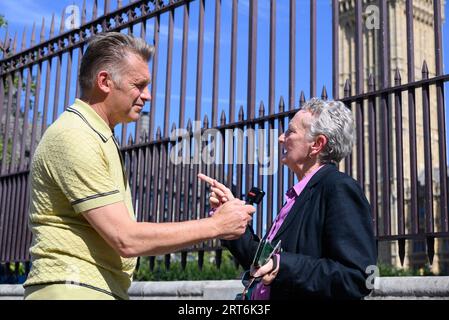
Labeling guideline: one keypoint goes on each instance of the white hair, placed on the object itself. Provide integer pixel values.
(335, 121)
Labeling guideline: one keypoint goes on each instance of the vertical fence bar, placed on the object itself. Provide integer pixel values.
(2, 101)
(359, 90)
(239, 145)
(154, 77)
(280, 182)
(149, 193)
(185, 42)
(68, 76)
(399, 156)
(199, 63)
(292, 62)
(23, 225)
(260, 168)
(373, 151)
(171, 176)
(251, 95)
(441, 116)
(271, 109)
(12, 211)
(2, 214)
(232, 80)
(15, 235)
(348, 159)
(7, 125)
(156, 170)
(12, 164)
(216, 63)
(80, 49)
(252, 56)
(335, 49)
(313, 52)
(186, 213)
(198, 96)
(23, 142)
(5, 216)
(428, 193)
(412, 120)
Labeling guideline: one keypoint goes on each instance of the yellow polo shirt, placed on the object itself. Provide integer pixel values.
(77, 166)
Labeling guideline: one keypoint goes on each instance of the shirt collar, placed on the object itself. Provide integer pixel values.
(299, 187)
(91, 118)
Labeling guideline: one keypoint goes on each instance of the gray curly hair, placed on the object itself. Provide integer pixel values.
(335, 121)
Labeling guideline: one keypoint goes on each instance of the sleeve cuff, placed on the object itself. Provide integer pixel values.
(97, 201)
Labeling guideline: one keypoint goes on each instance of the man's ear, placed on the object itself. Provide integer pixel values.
(318, 145)
(104, 81)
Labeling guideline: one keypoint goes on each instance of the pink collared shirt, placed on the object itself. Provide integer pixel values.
(262, 292)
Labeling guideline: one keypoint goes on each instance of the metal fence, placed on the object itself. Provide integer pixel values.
(32, 95)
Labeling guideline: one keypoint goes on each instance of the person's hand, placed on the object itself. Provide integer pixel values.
(219, 192)
(266, 272)
(232, 218)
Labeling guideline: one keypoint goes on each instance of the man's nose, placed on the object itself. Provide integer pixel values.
(281, 138)
(146, 95)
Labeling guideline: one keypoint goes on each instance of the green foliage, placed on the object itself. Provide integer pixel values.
(227, 270)
(392, 271)
(3, 21)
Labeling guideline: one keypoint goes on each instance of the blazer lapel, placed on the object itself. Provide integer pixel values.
(298, 208)
(301, 201)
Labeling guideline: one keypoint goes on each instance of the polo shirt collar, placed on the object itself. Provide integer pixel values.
(93, 120)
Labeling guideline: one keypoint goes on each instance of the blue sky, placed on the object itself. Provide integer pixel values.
(20, 18)
(36, 10)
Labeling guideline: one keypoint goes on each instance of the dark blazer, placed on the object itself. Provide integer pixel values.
(327, 241)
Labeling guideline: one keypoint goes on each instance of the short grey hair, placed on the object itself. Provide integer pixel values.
(335, 121)
(106, 51)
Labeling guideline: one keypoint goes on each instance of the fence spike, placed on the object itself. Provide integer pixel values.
(152, 260)
(52, 26)
(173, 128)
(61, 27)
(42, 34)
(33, 35)
(167, 262)
(145, 136)
(200, 259)
(158, 133)
(302, 99)
(397, 77)
(206, 122)
(22, 46)
(371, 85)
(223, 118)
(183, 260)
(94, 10)
(83, 13)
(430, 248)
(189, 126)
(14, 43)
(106, 7)
(261, 109)
(6, 44)
(130, 140)
(281, 104)
(324, 93)
(218, 257)
(401, 245)
(425, 70)
(241, 113)
(347, 89)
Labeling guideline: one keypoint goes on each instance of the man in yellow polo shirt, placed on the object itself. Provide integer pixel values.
(85, 236)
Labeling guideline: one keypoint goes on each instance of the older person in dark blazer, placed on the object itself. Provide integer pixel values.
(325, 225)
